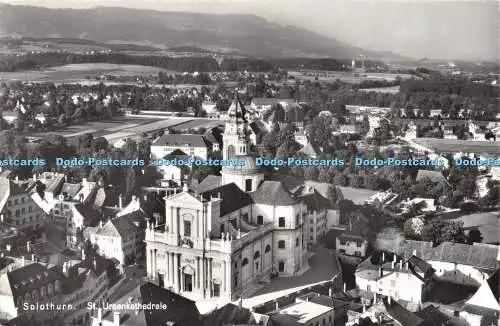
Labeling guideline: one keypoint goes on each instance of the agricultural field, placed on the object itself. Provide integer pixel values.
(80, 73)
(348, 77)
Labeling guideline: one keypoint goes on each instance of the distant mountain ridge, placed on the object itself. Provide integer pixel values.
(243, 33)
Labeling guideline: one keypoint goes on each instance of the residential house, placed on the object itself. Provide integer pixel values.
(19, 210)
(303, 312)
(32, 283)
(476, 261)
(317, 207)
(117, 238)
(352, 244)
(399, 279)
(191, 145)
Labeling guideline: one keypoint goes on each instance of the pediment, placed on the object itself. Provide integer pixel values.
(184, 198)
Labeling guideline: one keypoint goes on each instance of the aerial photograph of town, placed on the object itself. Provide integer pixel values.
(249, 162)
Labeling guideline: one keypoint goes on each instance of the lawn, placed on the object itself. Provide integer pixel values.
(488, 223)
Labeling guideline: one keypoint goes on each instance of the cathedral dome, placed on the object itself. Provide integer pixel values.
(249, 166)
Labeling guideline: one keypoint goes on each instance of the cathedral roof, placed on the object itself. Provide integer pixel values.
(233, 198)
(249, 166)
(273, 193)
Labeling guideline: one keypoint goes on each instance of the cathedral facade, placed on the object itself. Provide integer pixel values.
(220, 242)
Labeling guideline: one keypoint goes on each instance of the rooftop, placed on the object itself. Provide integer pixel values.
(273, 193)
(181, 140)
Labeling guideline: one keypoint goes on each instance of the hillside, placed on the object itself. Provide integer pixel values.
(245, 34)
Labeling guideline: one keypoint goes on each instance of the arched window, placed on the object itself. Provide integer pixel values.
(256, 255)
(245, 262)
(268, 249)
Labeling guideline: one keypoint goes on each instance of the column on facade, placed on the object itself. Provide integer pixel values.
(167, 267)
(171, 220)
(225, 275)
(210, 277)
(198, 219)
(198, 273)
(175, 270)
(176, 221)
(171, 269)
(148, 261)
(155, 265)
(203, 274)
(228, 276)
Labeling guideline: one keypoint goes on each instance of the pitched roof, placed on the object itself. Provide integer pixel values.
(230, 314)
(315, 201)
(180, 310)
(273, 193)
(434, 176)
(210, 182)
(487, 294)
(233, 198)
(91, 215)
(8, 188)
(237, 109)
(32, 277)
(181, 140)
(401, 315)
(432, 316)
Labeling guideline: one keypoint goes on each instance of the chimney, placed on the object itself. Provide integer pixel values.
(401, 264)
(330, 292)
(392, 264)
(28, 246)
(33, 257)
(241, 303)
(1, 218)
(345, 287)
(395, 258)
(389, 299)
(414, 252)
(277, 306)
(184, 187)
(22, 261)
(99, 315)
(383, 257)
(95, 263)
(100, 224)
(116, 318)
(83, 254)
(34, 177)
(17, 179)
(120, 201)
(364, 308)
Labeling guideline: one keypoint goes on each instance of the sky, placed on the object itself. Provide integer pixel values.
(439, 29)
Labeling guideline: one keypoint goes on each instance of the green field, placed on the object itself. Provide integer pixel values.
(80, 72)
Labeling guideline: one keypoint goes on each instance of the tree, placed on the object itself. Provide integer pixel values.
(474, 236)
(444, 231)
(413, 228)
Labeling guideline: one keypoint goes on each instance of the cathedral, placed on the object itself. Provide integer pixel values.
(219, 241)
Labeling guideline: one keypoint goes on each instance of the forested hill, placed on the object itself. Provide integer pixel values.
(244, 34)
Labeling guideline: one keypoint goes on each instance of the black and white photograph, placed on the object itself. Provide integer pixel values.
(249, 162)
